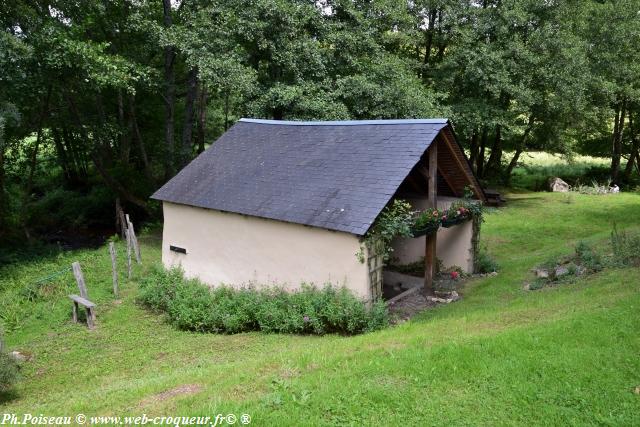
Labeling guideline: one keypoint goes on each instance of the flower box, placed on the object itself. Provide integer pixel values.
(450, 222)
(423, 231)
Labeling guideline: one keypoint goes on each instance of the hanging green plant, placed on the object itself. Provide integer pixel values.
(400, 220)
(394, 221)
(457, 213)
(426, 222)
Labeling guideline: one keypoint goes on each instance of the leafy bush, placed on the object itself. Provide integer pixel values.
(485, 263)
(191, 305)
(626, 248)
(593, 189)
(9, 369)
(588, 257)
(394, 221)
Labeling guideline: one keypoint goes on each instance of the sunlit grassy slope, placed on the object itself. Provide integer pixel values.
(568, 355)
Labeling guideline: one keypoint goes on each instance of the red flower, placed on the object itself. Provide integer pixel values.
(455, 275)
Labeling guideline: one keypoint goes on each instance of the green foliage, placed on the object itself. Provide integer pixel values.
(395, 220)
(585, 260)
(594, 189)
(9, 369)
(427, 219)
(589, 257)
(626, 248)
(581, 340)
(88, 84)
(190, 305)
(460, 210)
(485, 263)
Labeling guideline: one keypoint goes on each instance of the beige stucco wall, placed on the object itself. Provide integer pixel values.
(453, 245)
(237, 250)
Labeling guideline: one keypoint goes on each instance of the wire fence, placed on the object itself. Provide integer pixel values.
(22, 292)
(52, 275)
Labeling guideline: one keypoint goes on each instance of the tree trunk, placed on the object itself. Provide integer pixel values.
(635, 147)
(2, 193)
(133, 122)
(125, 134)
(101, 135)
(115, 185)
(495, 159)
(616, 151)
(519, 150)
(442, 43)
(69, 172)
(202, 117)
(189, 107)
(169, 95)
(473, 149)
(33, 163)
(97, 161)
(429, 41)
(480, 159)
(34, 153)
(77, 156)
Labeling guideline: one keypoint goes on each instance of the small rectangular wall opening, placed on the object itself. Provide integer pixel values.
(177, 249)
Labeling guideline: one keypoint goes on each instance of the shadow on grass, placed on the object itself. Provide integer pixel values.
(523, 201)
(8, 396)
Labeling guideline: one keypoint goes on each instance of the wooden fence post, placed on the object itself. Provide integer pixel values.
(430, 239)
(82, 287)
(120, 219)
(128, 254)
(91, 313)
(134, 242)
(114, 270)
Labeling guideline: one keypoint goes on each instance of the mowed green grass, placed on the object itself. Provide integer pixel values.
(568, 355)
(535, 169)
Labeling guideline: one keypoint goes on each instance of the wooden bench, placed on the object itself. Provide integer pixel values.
(83, 299)
(89, 307)
(494, 198)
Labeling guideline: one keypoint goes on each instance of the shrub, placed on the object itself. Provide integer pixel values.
(9, 369)
(485, 263)
(158, 287)
(588, 257)
(626, 248)
(191, 305)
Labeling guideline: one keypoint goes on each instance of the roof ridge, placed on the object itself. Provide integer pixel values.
(346, 122)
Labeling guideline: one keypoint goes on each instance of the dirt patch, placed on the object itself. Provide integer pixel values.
(407, 307)
(182, 390)
(288, 373)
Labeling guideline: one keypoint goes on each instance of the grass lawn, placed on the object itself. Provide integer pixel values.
(568, 355)
(535, 169)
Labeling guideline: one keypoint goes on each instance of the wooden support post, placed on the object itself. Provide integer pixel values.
(114, 269)
(128, 254)
(134, 242)
(430, 239)
(91, 318)
(84, 298)
(82, 287)
(120, 225)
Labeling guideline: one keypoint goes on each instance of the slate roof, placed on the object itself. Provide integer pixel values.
(333, 175)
